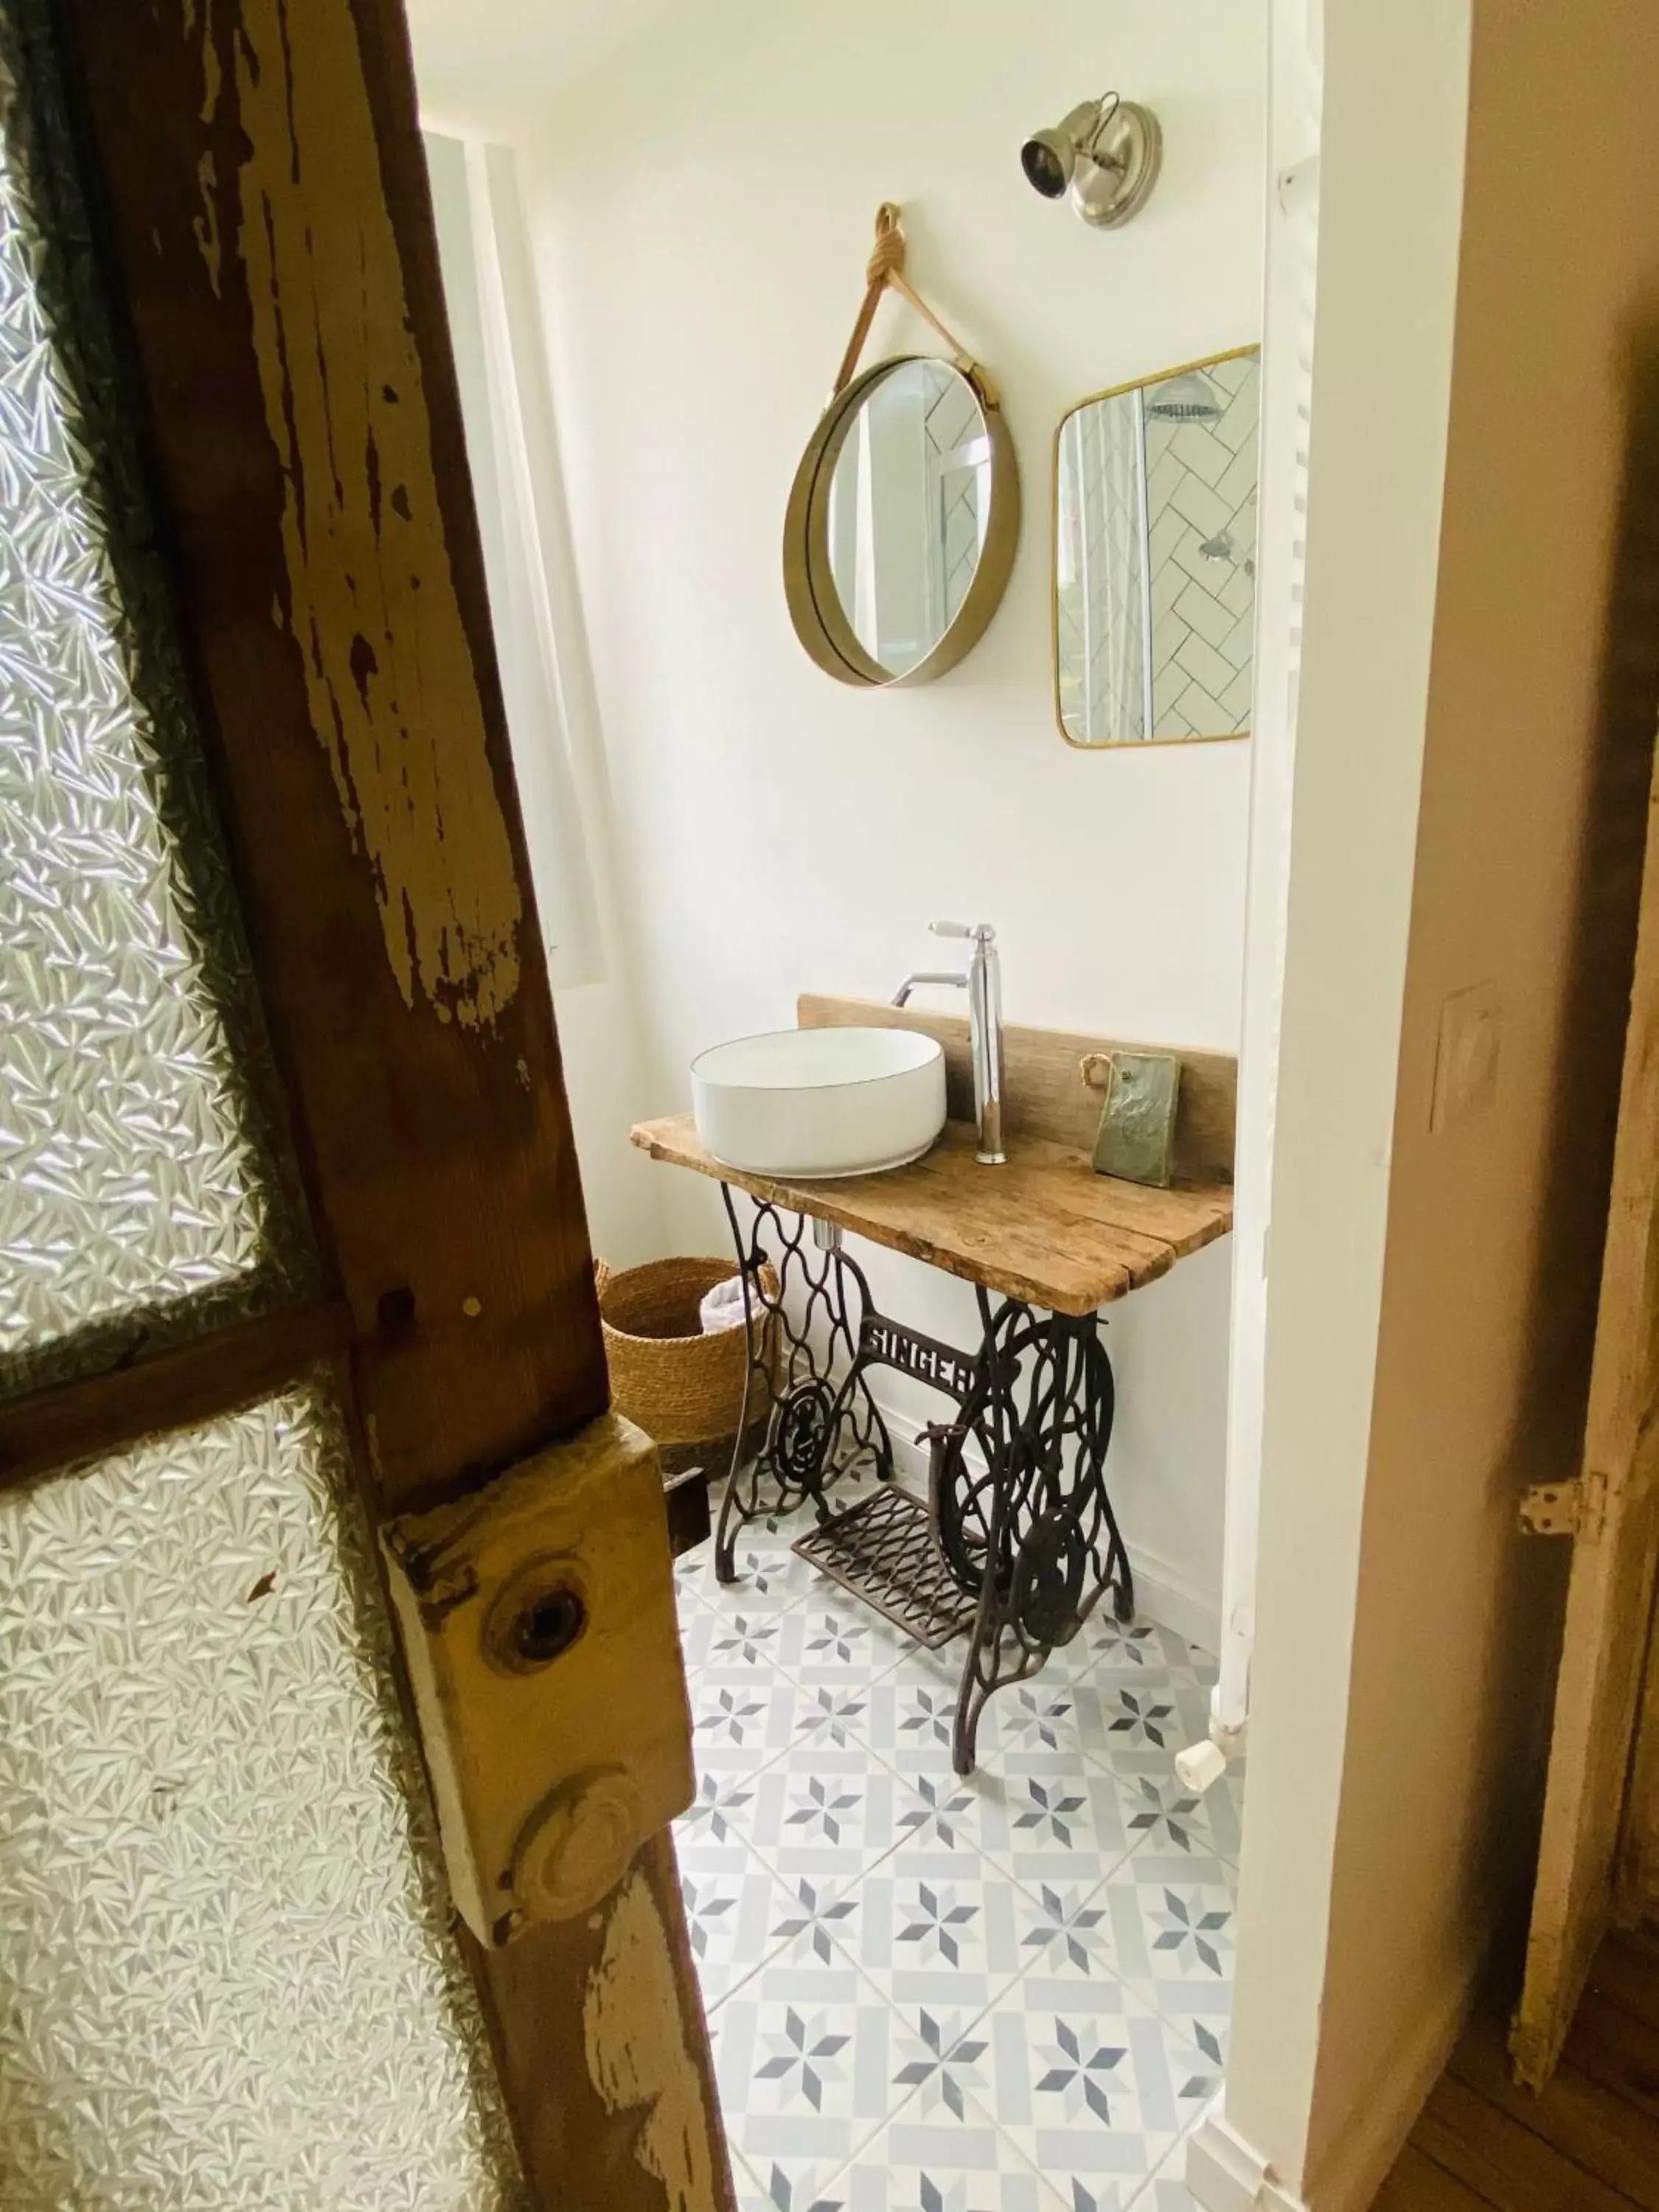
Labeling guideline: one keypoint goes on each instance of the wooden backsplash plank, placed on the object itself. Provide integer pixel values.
(1046, 1094)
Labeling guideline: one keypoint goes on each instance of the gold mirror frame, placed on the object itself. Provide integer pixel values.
(808, 583)
(1091, 399)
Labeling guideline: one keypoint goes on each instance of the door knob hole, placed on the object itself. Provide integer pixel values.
(548, 1625)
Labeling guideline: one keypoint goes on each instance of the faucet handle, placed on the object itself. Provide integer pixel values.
(981, 932)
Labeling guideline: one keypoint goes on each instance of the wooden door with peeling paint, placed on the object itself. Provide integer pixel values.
(1581, 1887)
(228, 369)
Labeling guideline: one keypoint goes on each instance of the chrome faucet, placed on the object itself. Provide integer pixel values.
(983, 984)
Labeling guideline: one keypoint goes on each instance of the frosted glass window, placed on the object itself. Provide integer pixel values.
(133, 1179)
(227, 1977)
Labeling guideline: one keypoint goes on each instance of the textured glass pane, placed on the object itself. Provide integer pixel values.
(227, 1978)
(131, 1175)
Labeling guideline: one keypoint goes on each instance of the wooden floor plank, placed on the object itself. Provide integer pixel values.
(1620, 2052)
(1628, 1974)
(1589, 2144)
(1502, 2161)
(1578, 2116)
(1418, 2184)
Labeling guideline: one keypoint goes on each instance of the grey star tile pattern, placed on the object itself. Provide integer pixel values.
(220, 1888)
(833, 1640)
(1094, 2085)
(802, 2059)
(139, 1197)
(923, 2164)
(935, 1928)
(1072, 1820)
(826, 1812)
(790, 2183)
(1002, 1993)
(754, 1713)
(1172, 1922)
(733, 1908)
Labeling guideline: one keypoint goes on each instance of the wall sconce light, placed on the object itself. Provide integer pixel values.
(1106, 150)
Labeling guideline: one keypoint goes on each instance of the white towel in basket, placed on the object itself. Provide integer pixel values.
(722, 1307)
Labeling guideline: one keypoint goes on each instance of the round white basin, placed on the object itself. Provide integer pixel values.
(812, 1103)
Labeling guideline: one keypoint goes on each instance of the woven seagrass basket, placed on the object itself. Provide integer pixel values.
(684, 1388)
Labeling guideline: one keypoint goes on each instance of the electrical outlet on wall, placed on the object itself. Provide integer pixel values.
(1466, 1056)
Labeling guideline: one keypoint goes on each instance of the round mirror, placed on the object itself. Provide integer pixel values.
(902, 523)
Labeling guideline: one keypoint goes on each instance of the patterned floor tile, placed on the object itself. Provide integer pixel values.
(967, 1814)
(1206, 2024)
(734, 1912)
(1069, 1820)
(1168, 2191)
(1140, 1724)
(1095, 2088)
(777, 1529)
(768, 1577)
(734, 1640)
(694, 1574)
(941, 2061)
(833, 1714)
(826, 1811)
(1166, 1817)
(937, 1928)
(834, 1638)
(913, 1713)
(937, 1994)
(688, 1597)
(755, 1716)
(816, 1916)
(787, 2184)
(1106, 1650)
(1021, 1726)
(1066, 1935)
(1171, 1921)
(1037, 1720)
(1224, 1803)
(922, 2163)
(1204, 1665)
(803, 2060)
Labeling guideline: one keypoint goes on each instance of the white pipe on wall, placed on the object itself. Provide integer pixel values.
(1293, 120)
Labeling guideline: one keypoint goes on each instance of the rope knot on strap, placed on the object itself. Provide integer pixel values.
(887, 254)
(885, 268)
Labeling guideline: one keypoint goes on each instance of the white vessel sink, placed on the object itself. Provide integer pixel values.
(806, 1103)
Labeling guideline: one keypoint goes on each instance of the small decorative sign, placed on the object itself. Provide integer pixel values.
(1137, 1128)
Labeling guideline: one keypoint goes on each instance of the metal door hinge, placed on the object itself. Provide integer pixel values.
(1565, 1508)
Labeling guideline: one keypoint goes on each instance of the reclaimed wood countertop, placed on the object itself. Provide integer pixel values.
(1045, 1228)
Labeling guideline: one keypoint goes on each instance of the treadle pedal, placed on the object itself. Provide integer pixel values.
(884, 1551)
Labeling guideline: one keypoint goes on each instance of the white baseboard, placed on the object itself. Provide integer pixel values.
(1226, 2174)
(1162, 1594)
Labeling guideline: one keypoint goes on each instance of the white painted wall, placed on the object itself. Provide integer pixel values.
(701, 194)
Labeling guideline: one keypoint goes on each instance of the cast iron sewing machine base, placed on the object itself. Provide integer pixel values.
(1017, 1541)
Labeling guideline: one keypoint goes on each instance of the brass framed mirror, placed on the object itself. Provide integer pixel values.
(902, 523)
(1154, 557)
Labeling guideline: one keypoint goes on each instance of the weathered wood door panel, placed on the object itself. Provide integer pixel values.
(262, 241)
(1635, 1899)
(1610, 1593)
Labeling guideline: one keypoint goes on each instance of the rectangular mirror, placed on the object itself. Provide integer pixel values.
(1154, 584)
